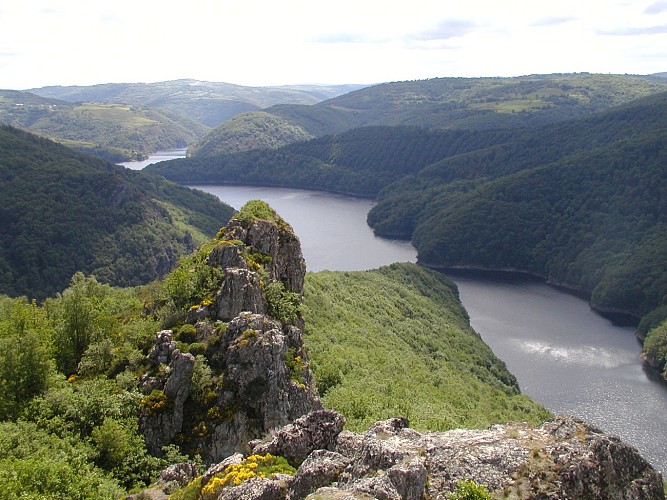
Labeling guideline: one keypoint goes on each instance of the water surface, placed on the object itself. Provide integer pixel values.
(564, 355)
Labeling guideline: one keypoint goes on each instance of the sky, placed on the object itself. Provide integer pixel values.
(283, 42)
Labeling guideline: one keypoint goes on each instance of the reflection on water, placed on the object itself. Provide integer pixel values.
(569, 358)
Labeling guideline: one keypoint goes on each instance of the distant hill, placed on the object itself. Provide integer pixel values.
(64, 212)
(248, 131)
(209, 103)
(471, 103)
(115, 132)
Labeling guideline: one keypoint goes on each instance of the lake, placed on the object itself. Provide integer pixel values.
(564, 355)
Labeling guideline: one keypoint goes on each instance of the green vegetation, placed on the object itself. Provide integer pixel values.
(209, 103)
(115, 132)
(248, 131)
(579, 202)
(364, 328)
(471, 103)
(63, 212)
(70, 370)
(76, 437)
(469, 490)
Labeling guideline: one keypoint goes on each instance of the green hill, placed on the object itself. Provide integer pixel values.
(209, 103)
(64, 212)
(472, 103)
(112, 131)
(248, 131)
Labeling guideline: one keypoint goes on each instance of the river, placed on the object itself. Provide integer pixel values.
(564, 355)
(167, 154)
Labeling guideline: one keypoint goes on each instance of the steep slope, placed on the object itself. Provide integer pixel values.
(112, 131)
(64, 212)
(209, 103)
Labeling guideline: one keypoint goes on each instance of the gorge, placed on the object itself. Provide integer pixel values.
(564, 355)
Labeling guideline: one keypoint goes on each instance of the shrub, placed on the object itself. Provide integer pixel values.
(282, 304)
(253, 466)
(469, 490)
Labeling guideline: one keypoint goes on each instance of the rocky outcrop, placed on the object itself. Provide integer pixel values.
(276, 240)
(166, 392)
(259, 374)
(265, 381)
(563, 458)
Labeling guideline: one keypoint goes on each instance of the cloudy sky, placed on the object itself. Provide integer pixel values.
(277, 42)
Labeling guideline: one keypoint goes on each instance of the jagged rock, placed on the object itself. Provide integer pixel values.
(315, 431)
(160, 427)
(287, 264)
(240, 291)
(563, 458)
(259, 384)
(277, 241)
(164, 345)
(226, 255)
(320, 468)
(181, 473)
(257, 488)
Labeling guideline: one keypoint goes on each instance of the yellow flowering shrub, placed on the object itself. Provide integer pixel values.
(253, 466)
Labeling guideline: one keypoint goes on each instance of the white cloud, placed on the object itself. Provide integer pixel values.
(262, 42)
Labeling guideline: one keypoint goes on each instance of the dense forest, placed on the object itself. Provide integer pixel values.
(580, 202)
(471, 103)
(64, 212)
(70, 402)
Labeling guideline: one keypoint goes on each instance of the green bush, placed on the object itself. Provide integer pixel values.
(469, 490)
(282, 304)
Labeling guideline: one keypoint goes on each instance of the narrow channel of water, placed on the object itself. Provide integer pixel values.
(167, 154)
(564, 355)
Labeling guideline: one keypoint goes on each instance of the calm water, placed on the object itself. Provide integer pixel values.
(332, 228)
(168, 154)
(565, 356)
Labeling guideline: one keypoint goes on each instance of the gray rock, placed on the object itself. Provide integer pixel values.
(159, 429)
(225, 255)
(181, 473)
(315, 431)
(240, 291)
(257, 488)
(320, 468)
(259, 383)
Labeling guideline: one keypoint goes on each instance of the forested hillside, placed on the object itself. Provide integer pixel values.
(471, 103)
(248, 131)
(209, 103)
(580, 202)
(64, 212)
(117, 132)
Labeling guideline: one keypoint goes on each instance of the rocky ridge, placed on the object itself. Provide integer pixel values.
(562, 459)
(262, 376)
